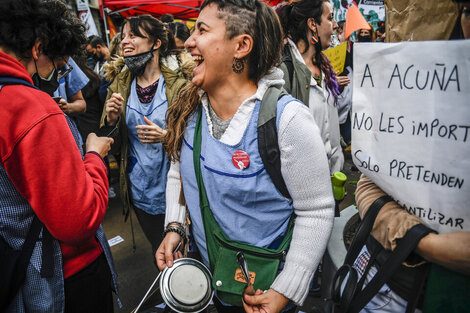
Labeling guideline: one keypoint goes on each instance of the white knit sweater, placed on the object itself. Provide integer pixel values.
(304, 167)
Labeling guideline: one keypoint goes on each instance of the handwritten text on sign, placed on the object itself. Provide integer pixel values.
(411, 126)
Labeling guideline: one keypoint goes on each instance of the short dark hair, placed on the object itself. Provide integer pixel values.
(154, 28)
(94, 41)
(23, 22)
(258, 20)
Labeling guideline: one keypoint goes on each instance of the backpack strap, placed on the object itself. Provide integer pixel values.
(4, 80)
(365, 228)
(268, 144)
(404, 247)
(24, 258)
(287, 60)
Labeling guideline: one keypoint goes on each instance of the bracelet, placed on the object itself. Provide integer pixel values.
(177, 224)
(176, 229)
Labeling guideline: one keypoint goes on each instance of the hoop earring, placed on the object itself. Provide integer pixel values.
(238, 66)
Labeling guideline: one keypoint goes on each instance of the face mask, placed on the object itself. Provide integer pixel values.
(364, 38)
(99, 58)
(136, 63)
(48, 85)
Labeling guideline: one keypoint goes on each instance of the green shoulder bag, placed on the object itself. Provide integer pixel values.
(227, 277)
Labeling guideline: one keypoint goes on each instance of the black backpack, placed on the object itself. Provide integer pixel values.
(354, 297)
(268, 145)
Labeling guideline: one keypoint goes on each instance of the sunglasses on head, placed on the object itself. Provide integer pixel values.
(64, 71)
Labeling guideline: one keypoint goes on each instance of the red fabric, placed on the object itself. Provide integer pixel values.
(37, 149)
(181, 9)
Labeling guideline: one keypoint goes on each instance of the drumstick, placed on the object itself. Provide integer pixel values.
(154, 282)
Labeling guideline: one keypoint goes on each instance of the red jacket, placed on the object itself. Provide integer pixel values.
(69, 195)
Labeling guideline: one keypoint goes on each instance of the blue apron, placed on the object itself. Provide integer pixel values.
(244, 202)
(147, 164)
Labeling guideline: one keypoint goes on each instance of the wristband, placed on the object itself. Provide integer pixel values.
(176, 229)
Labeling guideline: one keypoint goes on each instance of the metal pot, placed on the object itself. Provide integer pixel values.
(186, 286)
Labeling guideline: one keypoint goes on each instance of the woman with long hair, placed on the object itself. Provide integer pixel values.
(137, 101)
(308, 26)
(237, 46)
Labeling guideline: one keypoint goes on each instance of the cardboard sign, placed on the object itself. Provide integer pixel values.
(337, 56)
(411, 126)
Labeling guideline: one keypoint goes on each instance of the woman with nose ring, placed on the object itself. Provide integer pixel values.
(137, 101)
(236, 45)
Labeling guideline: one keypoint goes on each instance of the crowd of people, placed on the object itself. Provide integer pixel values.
(185, 111)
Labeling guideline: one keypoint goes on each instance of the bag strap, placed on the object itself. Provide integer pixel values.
(287, 60)
(403, 249)
(268, 145)
(5, 80)
(365, 228)
(25, 256)
(210, 224)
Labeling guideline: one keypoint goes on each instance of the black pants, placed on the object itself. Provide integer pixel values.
(90, 289)
(152, 226)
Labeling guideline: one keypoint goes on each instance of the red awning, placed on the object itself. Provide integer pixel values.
(181, 9)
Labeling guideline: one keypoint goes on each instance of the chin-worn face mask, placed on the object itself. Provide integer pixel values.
(48, 85)
(366, 38)
(136, 63)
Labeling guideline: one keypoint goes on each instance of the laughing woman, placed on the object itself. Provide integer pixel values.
(137, 102)
(237, 45)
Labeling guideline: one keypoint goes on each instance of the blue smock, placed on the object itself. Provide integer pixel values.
(72, 83)
(244, 202)
(147, 165)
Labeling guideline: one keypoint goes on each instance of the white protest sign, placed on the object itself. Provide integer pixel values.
(411, 126)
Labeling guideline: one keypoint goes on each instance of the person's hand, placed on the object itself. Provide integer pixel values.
(164, 255)
(101, 145)
(150, 133)
(270, 301)
(114, 108)
(64, 106)
(343, 81)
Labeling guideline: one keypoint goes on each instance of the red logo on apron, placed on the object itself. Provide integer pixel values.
(241, 159)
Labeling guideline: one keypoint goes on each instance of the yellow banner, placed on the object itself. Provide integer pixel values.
(337, 56)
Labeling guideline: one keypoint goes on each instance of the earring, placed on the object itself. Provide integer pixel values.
(314, 39)
(238, 66)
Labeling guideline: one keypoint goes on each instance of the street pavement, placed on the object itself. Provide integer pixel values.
(135, 267)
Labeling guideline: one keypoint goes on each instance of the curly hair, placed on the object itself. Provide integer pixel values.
(23, 22)
(250, 17)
